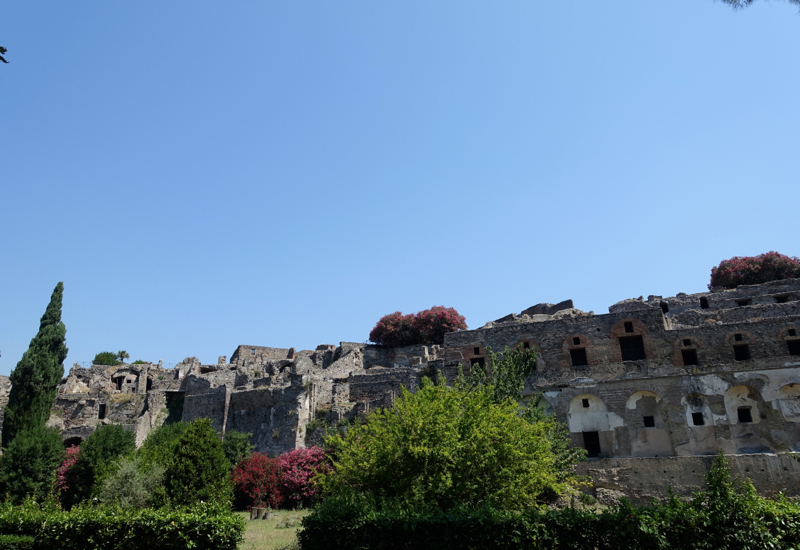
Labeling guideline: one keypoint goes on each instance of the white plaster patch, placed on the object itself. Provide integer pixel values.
(615, 421)
(711, 384)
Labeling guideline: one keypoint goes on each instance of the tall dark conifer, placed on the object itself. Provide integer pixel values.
(38, 373)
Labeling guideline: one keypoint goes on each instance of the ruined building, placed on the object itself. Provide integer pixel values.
(651, 389)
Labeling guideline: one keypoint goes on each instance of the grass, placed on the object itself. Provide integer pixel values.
(263, 535)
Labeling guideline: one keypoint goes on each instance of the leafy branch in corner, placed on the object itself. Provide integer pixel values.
(3, 51)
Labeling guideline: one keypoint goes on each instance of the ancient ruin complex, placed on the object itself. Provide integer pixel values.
(652, 389)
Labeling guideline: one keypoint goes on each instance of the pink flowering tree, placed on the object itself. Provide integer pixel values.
(65, 476)
(298, 469)
(753, 270)
(425, 327)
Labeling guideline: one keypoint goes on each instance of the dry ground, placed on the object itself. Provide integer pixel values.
(264, 535)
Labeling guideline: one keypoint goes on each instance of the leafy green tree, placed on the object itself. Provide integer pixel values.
(37, 374)
(106, 358)
(445, 447)
(198, 469)
(28, 466)
(237, 446)
(122, 355)
(505, 374)
(131, 485)
(97, 459)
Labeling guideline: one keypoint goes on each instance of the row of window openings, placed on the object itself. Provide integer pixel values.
(744, 414)
(780, 299)
(120, 382)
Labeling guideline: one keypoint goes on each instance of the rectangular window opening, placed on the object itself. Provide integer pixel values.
(698, 420)
(745, 415)
(252, 351)
(703, 303)
(526, 345)
(792, 332)
(687, 342)
(741, 353)
(794, 347)
(737, 337)
(576, 341)
(578, 357)
(119, 382)
(585, 403)
(743, 302)
(628, 326)
(101, 411)
(591, 442)
(477, 361)
(476, 351)
(649, 421)
(782, 299)
(689, 356)
(632, 348)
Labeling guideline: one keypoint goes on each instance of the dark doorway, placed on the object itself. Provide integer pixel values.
(477, 361)
(697, 419)
(794, 347)
(578, 357)
(741, 353)
(119, 382)
(744, 414)
(689, 356)
(632, 348)
(101, 411)
(591, 442)
(149, 384)
(649, 421)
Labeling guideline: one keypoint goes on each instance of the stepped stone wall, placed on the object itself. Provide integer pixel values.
(655, 385)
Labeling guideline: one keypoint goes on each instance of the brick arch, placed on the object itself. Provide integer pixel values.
(783, 334)
(677, 346)
(729, 341)
(568, 344)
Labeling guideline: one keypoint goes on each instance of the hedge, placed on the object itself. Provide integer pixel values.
(101, 528)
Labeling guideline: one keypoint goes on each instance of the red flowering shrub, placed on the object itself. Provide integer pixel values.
(65, 476)
(753, 270)
(257, 481)
(299, 468)
(426, 327)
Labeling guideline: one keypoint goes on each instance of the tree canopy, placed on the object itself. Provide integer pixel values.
(38, 373)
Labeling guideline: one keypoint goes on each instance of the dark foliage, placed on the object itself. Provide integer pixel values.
(198, 469)
(106, 358)
(237, 446)
(38, 373)
(753, 270)
(28, 466)
(97, 460)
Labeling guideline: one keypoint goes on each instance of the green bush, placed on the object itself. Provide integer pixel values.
(197, 469)
(107, 528)
(97, 460)
(131, 485)
(728, 516)
(16, 542)
(106, 358)
(237, 446)
(28, 466)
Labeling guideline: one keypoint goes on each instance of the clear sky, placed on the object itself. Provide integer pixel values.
(207, 174)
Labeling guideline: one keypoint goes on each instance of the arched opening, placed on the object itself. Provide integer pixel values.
(664, 307)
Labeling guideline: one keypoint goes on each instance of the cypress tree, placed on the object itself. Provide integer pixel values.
(38, 373)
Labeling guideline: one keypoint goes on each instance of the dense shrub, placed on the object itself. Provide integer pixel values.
(97, 459)
(131, 485)
(107, 528)
(298, 469)
(28, 466)
(237, 446)
(197, 470)
(445, 447)
(106, 358)
(257, 481)
(425, 327)
(753, 270)
(728, 516)
(160, 444)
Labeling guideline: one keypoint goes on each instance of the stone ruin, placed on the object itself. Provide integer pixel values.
(653, 389)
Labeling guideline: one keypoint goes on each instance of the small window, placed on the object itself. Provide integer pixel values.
(737, 337)
(476, 351)
(252, 351)
(794, 347)
(101, 411)
(687, 342)
(632, 348)
(649, 421)
(743, 302)
(792, 332)
(628, 326)
(745, 415)
(704, 303)
(578, 357)
(477, 361)
(698, 420)
(782, 299)
(689, 356)
(526, 345)
(585, 403)
(149, 384)
(741, 353)
(576, 341)
(664, 307)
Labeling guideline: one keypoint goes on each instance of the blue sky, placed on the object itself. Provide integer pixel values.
(206, 174)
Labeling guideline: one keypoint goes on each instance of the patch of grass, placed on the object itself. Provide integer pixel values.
(270, 534)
